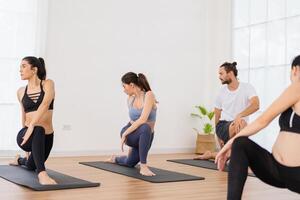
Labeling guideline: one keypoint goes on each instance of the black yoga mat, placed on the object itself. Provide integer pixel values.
(161, 176)
(208, 164)
(22, 176)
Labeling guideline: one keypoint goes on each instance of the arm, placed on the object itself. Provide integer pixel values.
(20, 93)
(252, 108)
(287, 99)
(217, 115)
(219, 142)
(149, 101)
(129, 102)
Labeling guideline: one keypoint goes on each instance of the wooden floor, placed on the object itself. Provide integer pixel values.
(114, 186)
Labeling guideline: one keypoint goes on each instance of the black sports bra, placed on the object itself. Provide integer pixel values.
(289, 121)
(31, 102)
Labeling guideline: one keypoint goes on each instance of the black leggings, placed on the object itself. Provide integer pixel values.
(39, 144)
(246, 153)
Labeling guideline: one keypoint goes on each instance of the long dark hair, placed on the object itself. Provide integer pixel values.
(138, 79)
(39, 63)
(296, 61)
(230, 67)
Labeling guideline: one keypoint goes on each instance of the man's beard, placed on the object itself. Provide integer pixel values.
(226, 82)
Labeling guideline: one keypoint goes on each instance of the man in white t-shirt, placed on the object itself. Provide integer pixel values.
(235, 102)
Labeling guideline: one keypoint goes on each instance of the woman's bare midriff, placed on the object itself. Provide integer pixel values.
(286, 149)
(45, 121)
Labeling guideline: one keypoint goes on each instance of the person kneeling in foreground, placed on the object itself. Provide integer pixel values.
(281, 168)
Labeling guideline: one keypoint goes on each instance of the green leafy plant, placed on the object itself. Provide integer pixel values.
(206, 118)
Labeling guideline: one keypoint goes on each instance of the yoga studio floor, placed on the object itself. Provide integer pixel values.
(114, 186)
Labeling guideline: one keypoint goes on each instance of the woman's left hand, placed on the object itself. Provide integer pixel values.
(123, 140)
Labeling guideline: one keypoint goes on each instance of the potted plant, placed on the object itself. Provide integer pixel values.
(205, 137)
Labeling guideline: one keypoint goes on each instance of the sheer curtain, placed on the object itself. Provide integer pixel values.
(265, 40)
(22, 33)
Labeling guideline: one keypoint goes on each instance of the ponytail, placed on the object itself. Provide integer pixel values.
(143, 82)
(42, 69)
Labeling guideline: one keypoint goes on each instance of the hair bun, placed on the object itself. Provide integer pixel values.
(234, 64)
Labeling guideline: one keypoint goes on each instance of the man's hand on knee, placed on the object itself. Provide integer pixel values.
(239, 123)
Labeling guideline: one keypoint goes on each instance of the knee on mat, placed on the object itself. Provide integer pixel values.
(130, 165)
(30, 167)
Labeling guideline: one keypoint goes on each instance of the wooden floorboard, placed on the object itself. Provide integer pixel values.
(114, 186)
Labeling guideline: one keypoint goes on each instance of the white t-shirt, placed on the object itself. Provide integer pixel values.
(234, 102)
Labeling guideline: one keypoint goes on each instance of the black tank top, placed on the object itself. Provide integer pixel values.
(31, 102)
(289, 121)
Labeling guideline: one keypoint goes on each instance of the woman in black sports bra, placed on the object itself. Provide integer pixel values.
(281, 168)
(36, 136)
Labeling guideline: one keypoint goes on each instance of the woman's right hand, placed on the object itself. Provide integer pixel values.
(223, 155)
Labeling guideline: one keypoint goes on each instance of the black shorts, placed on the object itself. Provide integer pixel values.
(222, 130)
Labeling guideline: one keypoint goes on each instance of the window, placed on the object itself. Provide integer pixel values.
(265, 40)
(20, 35)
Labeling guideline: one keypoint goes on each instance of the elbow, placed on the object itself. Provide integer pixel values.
(45, 105)
(256, 106)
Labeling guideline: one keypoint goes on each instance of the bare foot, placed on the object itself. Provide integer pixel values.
(145, 171)
(206, 156)
(112, 159)
(27, 155)
(44, 179)
(14, 162)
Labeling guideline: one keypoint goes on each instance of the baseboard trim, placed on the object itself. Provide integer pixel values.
(58, 153)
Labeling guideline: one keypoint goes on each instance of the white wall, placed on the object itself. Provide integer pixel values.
(90, 44)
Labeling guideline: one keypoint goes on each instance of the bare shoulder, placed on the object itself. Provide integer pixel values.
(150, 97)
(130, 98)
(294, 89)
(20, 92)
(150, 94)
(48, 84)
